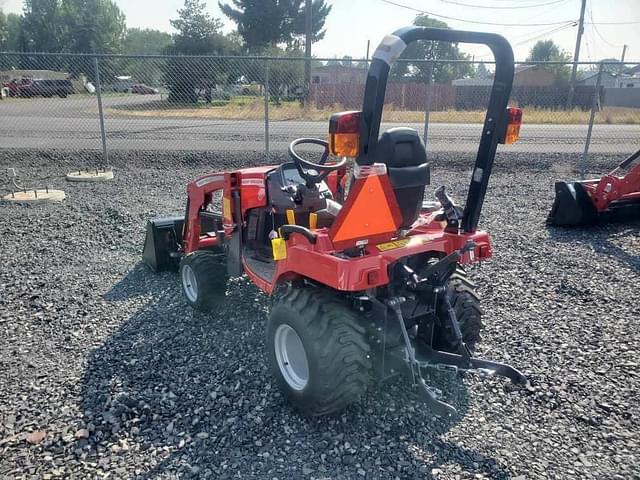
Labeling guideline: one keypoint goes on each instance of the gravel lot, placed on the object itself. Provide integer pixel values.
(128, 382)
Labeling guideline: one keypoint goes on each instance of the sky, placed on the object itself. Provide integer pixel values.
(352, 23)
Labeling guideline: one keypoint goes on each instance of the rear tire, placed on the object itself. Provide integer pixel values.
(466, 303)
(317, 350)
(203, 277)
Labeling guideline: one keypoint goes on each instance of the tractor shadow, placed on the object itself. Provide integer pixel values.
(190, 393)
(601, 239)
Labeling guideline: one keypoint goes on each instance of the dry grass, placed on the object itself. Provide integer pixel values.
(252, 108)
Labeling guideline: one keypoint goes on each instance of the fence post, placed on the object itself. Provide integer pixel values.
(595, 102)
(427, 109)
(266, 108)
(105, 152)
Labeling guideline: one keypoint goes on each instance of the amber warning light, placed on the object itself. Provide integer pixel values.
(514, 121)
(344, 134)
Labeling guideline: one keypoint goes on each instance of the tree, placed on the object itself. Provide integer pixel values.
(424, 71)
(269, 23)
(43, 28)
(548, 51)
(198, 34)
(4, 34)
(481, 71)
(9, 32)
(94, 26)
(146, 41)
(319, 13)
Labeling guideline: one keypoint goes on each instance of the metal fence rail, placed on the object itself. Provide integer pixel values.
(112, 102)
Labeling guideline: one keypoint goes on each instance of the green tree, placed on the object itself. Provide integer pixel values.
(548, 51)
(481, 71)
(424, 71)
(197, 34)
(43, 26)
(9, 32)
(146, 41)
(319, 13)
(286, 77)
(4, 34)
(93, 26)
(269, 23)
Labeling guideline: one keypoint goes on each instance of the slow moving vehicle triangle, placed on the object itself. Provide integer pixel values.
(370, 213)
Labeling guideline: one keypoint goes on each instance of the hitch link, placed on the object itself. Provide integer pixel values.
(428, 395)
(455, 326)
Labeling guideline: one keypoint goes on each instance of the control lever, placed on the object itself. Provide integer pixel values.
(294, 192)
(452, 212)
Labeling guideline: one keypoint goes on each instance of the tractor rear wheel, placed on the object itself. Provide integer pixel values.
(203, 277)
(317, 349)
(466, 303)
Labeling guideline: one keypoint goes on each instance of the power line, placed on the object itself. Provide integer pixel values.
(390, 2)
(613, 23)
(523, 38)
(513, 7)
(595, 29)
(536, 35)
(544, 34)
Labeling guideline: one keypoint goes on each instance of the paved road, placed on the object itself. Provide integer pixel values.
(72, 123)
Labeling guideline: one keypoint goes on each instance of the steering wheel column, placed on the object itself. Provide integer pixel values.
(313, 173)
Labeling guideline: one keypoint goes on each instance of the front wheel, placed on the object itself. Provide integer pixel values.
(317, 350)
(203, 277)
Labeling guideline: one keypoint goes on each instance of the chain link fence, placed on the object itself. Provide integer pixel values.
(113, 102)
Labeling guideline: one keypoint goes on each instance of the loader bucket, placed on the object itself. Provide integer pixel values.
(161, 243)
(572, 206)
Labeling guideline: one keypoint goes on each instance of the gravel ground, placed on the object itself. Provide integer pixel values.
(128, 382)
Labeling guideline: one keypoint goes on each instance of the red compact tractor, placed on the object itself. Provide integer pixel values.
(361, 282)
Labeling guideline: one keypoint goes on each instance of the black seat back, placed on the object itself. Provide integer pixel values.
(402, 151)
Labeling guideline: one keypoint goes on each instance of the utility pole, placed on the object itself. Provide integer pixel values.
(624, 53)
(308, 9)
(576, 55)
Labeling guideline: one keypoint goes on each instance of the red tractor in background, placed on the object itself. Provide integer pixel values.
(361, 281)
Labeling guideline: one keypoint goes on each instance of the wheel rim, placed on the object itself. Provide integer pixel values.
(189, 283)
(291, 357)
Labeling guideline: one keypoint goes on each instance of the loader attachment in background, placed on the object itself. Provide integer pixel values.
(612, 198)
(572, 206)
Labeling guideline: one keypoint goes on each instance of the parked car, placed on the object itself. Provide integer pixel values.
(142, 89)
(122, 86)
(45, 88)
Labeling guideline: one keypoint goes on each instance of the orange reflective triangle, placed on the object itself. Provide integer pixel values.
(371, 210)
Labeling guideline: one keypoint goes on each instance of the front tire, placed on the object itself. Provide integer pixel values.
(203, 277)
(317, 350)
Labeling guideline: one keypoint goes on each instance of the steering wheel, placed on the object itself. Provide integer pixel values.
(313, 172)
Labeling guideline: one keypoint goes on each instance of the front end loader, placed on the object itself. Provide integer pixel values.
(613, 198)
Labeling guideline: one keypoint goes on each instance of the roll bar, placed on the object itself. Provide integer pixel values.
(495, 121)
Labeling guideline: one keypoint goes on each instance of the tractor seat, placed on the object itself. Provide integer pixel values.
(403, 152)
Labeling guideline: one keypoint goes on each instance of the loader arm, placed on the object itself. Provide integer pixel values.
(611, 187)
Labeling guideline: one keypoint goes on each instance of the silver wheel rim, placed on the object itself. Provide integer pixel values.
(189, 283)
(291, 357)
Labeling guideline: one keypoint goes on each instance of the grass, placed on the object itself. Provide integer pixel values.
(252, 108)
